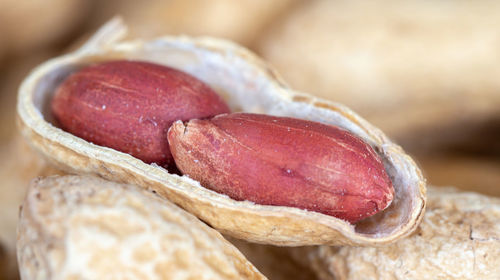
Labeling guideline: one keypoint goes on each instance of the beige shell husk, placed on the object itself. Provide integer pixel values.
(427, 68)
(459, 238)
(249, 85)
(18, 167)
(91, 228)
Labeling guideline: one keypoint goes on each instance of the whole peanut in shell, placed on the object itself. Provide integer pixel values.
(129, 106)
(249, 85)
(83, 227)
(458, 239)
(283, 161)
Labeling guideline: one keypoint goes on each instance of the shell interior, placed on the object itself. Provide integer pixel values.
(247, 84)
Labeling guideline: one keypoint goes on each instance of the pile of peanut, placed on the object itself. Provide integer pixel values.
(278, 186)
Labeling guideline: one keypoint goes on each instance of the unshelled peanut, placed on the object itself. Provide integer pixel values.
(283, 161)
(129, 106)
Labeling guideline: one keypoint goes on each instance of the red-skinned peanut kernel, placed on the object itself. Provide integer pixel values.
(129, 106)
(283, 161)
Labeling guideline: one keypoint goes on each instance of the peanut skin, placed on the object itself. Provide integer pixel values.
(283, 161)
(129, 106)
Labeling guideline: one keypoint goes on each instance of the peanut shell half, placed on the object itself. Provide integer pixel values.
(80, 227)
(459, 238)
(247, 84)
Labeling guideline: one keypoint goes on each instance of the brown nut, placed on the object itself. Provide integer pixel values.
(283, 161)
(90, 228)
(459, 238)
(247, 84)
(129, 106)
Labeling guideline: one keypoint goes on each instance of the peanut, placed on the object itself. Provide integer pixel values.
(249, 84)
(129, 106)
(283, 161)
(79, 227)
(457, 239)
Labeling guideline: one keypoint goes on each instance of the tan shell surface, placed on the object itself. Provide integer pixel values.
(18, 167)
(240, 21)
(459, 238)
(249, 85)
(79, 227)
(428, 68)
(26, 26)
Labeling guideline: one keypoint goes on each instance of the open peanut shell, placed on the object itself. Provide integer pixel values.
(247, 84)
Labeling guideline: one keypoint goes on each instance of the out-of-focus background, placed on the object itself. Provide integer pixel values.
(426, 72)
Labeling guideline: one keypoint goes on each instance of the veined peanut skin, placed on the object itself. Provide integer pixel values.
(283, 161)
(129, 106)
